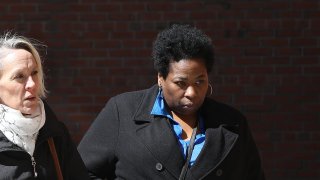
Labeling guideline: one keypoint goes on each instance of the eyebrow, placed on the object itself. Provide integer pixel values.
(22, 70)
(201, 76)
(185, 78)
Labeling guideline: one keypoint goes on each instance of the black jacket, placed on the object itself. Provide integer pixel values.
(127, 142)
(15, 163)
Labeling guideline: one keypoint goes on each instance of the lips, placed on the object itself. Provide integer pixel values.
(189, 105)
(31, 98)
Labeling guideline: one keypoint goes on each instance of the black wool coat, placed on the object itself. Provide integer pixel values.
(126, 142)
(15, 163)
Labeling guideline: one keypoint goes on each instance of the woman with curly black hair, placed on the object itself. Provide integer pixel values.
(172, 130)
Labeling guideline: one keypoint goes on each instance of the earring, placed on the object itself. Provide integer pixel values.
(211, 89)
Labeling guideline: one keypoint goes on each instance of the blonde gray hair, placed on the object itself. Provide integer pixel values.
(14, 41)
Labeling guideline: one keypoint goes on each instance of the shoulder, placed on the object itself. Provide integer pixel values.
(135, 94)
(221, 112)
(52, 126)
(221, 107)
(134, 98)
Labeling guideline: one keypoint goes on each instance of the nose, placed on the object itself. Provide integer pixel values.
(30, 83)
(190, 92)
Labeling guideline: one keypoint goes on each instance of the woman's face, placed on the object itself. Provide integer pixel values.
(19, 83)
(186, 86)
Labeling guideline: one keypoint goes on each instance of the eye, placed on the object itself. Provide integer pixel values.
(34, 73)
(181, 84)
(199, 82)
(19, 76)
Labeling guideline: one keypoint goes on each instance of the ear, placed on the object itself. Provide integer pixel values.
(160, 79)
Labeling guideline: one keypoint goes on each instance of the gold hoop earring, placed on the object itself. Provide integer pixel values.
(211, 89)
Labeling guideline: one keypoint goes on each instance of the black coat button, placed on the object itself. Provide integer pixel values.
(159, 166)
(219, 172)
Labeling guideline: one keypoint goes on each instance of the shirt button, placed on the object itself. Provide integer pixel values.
(159, 166)
(219, 172)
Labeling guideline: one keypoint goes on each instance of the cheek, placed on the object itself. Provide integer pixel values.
(202, 95)
(38, 84)
(173, 97)
(11, 98)
(204, 92)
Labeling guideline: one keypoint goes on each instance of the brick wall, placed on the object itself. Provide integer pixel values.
(267, 63)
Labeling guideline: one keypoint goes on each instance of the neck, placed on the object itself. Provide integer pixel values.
(187, 123)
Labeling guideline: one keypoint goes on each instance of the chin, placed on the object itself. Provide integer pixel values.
(187, 111)
(29, 107)
(28, 110)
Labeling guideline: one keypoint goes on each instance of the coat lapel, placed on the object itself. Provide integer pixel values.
(161, 142)
(221, 136)
(219, 142)
(156, 134)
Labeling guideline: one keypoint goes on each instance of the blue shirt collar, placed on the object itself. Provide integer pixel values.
(159, 107)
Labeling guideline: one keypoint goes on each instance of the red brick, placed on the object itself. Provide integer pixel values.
(151, 16)
(176, 16)
(62, 17)
(228, 89)
(248, 99)
(275, 42)
(288, 51)
(23, 8)
(10, 17)
(312, 14)
(246, 42)
(290, 14)
(306, 5)
(260, 69)
(109, 7)
(81, 8)
(288, 70)
(121, 53)
(311, 70)
(289, 33)
(202, 15)
(261, 33)
(258, 51)
(92, 17)
(190, 5)
(311, 51)
(121, 16)
(139, 6)
(160, 6)
(80, 99)
(273, 24)
(122, 34)
(229, 51)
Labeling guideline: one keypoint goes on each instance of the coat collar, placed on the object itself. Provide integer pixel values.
(6, 145)
(156, 134)
(146, 105)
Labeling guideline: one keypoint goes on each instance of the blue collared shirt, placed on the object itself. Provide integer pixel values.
(160, 110)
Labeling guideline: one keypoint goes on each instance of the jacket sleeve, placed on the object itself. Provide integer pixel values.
(97, 148)
(253, 162)
(73, 166)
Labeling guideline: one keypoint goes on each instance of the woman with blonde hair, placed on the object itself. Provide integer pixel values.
(33, 143)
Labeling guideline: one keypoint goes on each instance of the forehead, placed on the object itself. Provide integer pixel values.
(16, 58)
(187, 66)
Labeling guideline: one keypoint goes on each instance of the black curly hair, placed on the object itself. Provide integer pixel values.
(181, 42)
